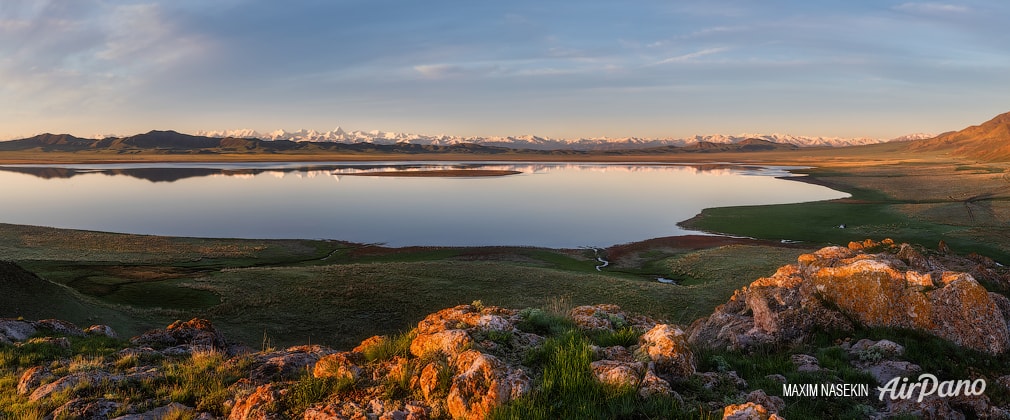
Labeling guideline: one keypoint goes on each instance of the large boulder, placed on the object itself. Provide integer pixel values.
(828, 288)
(81, 408)
(261, 404)
(446, 331)
(286, 364)
(185, 337)
(666, 346)
(16, 330)
(483, 382)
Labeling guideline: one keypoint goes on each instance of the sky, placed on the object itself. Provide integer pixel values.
(565, 69)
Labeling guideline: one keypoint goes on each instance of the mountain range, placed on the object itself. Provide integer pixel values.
(339, 135)
(172, 142)
(989, 141)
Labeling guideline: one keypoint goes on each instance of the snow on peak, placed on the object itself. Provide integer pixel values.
(528, 141)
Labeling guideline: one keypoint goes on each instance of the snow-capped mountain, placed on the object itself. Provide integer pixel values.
(542, 143)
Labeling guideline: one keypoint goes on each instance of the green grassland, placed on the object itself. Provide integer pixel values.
(336, 293)
(292, 296)
(966, 206)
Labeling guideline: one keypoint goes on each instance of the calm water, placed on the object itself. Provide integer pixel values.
(552, 205)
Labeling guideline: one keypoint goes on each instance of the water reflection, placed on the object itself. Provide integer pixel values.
(547, 204)
(172, 172)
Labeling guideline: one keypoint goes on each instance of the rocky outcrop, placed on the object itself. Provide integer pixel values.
(460, 362)
(833, 287)
(464, 362)
(184, 337)
(15, 330)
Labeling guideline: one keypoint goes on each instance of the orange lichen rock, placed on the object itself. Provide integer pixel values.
(826, 288)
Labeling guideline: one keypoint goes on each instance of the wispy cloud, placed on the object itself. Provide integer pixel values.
(91, 51)
(690, 57)
(931, 8)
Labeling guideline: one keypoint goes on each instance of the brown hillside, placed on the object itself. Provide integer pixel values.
(989, 141)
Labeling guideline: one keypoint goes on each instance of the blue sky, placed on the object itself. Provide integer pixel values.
(589, 68)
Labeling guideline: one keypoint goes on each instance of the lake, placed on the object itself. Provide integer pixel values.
(564, 205)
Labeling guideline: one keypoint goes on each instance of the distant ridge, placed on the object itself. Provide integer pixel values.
(339, 135)
(172, 142)
(989, 141)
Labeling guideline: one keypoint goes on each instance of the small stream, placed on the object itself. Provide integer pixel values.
(603, 262)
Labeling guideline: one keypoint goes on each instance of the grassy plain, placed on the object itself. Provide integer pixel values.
(299, 291)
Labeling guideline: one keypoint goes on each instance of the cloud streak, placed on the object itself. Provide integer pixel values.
(691, 57)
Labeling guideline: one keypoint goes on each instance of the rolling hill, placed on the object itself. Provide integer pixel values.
(989, 141)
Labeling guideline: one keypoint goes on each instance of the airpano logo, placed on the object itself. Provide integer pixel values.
(899, 388)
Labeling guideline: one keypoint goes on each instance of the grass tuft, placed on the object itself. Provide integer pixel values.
(398, 345)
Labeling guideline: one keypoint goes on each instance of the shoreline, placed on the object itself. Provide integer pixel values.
(815, 156)
(439, 173)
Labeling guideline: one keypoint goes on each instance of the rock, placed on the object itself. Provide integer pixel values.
(494, 323)
(141, 353)
(342, 411)
(416, 411)
(339, 365)
(885, 370)
(805, 363)
(448, 342)
(653, 385)
(68, 382)
(666, 346)
(286, 364)
(369, 343)
(1004, 381)
(931, 407)
(262, 404)
(32, 378)
(61, 342)
(772, 403)
(102, 330)
(777, 378)
(80, 408)
(448, 330)
(59, 327)
(455, 318)
(748, 411)
(428, 382)
(711, 380)
(920, 281)
(16, 330)
(598, 317)
(618, 353)
(519, 383)
(826, 288)
(616, 373)
(481, 384)
(173, 409)
(875, 294)
(772, 310)
(195, 332)
(975, 406)
(608, 317)
(142, 373)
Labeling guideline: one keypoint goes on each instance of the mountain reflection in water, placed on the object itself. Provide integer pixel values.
(558, 205)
